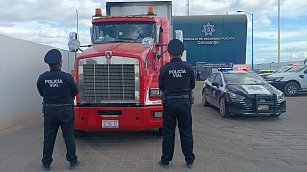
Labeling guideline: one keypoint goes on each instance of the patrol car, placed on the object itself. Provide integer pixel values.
(242, 92)
(291, 81)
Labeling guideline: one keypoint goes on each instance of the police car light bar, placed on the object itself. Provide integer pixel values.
(224, 68)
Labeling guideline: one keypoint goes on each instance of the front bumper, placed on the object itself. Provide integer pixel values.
(251, 106)
(278, 84)
(131, 118)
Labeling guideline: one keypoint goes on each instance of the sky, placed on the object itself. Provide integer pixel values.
(49, 22)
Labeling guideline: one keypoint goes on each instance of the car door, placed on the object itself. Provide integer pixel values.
(215, 91)
(208, 87)
(305, 80)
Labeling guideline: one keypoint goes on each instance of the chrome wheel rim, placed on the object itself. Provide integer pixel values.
(292, 89)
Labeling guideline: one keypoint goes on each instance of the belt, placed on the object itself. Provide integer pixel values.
(184, 96)
(57, 105)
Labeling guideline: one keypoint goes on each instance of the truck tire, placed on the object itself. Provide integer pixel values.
(160, 132)
(224, 110)
(79, 133)
(291, 89)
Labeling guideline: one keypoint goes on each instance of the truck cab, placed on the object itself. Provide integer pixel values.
(118, 74)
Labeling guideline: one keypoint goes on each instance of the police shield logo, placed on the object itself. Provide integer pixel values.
(208, 29)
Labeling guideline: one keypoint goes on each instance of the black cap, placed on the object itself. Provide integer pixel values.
(53, 56)
(175, 47)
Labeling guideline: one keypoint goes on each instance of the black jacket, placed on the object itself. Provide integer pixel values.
(176, 77)
(57, 87)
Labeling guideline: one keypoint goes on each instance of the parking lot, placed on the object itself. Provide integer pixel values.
(245, 143)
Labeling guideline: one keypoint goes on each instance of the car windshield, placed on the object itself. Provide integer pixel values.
(296, 69)
(283, 69)
(243, 78)
(122, 31)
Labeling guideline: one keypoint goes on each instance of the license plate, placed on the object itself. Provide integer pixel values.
(110, 124)
(263, 107)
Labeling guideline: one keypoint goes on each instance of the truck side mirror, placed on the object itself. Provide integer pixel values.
(73, 35)
(158, 35)
(147, 42)
(92, 34)
(73, 43)
(179, 35)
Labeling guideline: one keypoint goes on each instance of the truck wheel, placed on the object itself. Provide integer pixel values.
(291, 89)
(160, 132)
(79, 133)
(275, 115)
(224, 110)
(204, 101)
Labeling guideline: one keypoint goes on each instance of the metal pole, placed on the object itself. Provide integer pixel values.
(252, 41)
(77, 24)
(188, 5)
(252, 35)
(278, 63)
(77, 16)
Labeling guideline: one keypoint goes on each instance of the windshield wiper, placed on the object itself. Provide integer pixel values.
(127, 38)
(108, 42)
(116, 41)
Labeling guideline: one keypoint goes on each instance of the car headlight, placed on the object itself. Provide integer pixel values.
(236, 97)
(278, 78)
(280, 97)
(154, 92)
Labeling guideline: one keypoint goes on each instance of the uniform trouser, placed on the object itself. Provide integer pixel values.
(53, 118)
(177, 110)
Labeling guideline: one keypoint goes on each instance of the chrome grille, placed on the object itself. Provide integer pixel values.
(109, 83)
(265, 100)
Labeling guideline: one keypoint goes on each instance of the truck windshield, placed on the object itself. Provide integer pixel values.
(122, 31)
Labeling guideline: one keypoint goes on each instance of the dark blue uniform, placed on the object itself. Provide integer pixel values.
(176, 81)
(58, 90)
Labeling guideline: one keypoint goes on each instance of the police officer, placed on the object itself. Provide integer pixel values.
(176, 81)
(58, 90)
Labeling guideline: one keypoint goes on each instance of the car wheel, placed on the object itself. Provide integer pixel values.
(291, 89)
(224, 110)
(275, 115)
(204, 100)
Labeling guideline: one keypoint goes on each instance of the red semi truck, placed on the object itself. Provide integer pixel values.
(118, 74)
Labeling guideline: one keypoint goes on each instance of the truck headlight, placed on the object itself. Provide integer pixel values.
(157, 114)
(278, 79)
(280, 97)
(154, 92)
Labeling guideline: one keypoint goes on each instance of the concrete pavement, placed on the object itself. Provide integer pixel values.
(247, 143)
